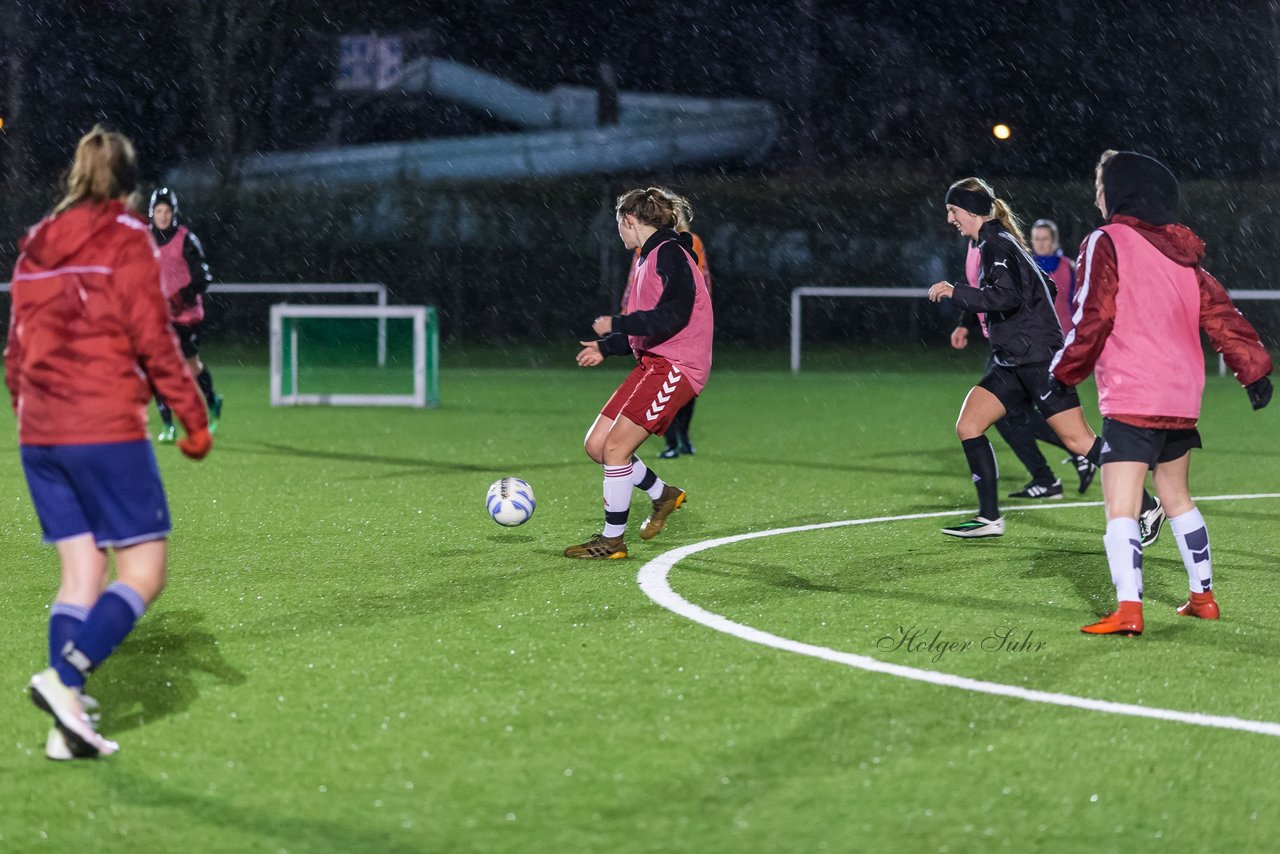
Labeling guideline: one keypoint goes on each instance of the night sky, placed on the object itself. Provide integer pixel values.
(1197, 83)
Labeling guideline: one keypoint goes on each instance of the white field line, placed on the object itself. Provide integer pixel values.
(653, 580)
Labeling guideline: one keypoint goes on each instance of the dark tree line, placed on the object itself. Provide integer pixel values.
(859, 82)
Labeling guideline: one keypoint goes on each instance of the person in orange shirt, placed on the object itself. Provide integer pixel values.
(89, 338)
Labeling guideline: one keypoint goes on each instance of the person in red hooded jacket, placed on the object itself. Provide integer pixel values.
(89, 336)
(1142, 301)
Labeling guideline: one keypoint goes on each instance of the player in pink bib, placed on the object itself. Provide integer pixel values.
(667, 326)
(1142, 303)
(184, 278)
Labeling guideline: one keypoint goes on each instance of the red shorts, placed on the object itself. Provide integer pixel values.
(651, 395)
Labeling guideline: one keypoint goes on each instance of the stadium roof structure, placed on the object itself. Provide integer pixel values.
(561, 136)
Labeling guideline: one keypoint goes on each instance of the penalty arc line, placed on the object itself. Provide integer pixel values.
(653, 580)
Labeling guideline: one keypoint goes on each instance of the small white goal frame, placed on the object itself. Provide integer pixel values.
(800, 293)
(417, 313)
(378, 290)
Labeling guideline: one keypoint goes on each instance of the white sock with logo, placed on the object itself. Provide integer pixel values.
(1124, 555)
(1193, 543)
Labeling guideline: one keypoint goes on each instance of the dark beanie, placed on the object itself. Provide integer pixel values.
(1141, 187)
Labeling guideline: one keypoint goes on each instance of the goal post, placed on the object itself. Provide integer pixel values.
(1242, 294)
(302, 336)
(799, 294)
(378, 290)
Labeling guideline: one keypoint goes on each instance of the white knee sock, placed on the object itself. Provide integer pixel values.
(1193, 542)
(617, 499)
(1124, 555)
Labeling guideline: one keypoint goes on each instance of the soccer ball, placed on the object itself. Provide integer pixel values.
(510, 501)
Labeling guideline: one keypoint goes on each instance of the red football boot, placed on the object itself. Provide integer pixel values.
(1125, 620)
(1200, 605)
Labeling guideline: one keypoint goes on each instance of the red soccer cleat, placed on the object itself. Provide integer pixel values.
(1200, 605)
(1125, 620)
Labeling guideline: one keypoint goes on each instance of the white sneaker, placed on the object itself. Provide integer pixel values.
(1039, 490)
(977, 527)
(65, 706)
(1150, 523)
(55, 746)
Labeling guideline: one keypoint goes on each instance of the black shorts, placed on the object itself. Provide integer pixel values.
(1025, 386)
(1124, 443)
(188, 339)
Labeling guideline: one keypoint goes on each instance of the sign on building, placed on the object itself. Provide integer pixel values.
(369, 62)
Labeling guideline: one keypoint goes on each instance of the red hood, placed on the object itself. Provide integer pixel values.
(1176, 242)
(54, 239)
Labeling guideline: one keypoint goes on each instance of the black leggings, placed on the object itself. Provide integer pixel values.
(1021, 429)
(677, 434)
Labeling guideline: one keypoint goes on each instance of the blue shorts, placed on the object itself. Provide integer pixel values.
(112, 491)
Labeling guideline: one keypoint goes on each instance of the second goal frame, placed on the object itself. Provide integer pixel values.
(426, 354)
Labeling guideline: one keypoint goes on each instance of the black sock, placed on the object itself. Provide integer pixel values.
(206, 385)
(1095, 453)
(1018, 434)
(982, 462)
(1148, 503)
(166, 414)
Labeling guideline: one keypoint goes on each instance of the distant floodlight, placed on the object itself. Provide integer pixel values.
(1001, 131)
(1, 123)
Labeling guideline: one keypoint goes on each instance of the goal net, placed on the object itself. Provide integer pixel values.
(350, 355)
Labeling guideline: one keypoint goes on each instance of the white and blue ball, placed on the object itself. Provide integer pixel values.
(510, 501)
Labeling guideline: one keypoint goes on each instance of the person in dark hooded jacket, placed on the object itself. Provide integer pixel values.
(1142, 301)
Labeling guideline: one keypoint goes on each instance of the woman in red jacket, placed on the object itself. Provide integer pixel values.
(88, 338)
(1143, 299)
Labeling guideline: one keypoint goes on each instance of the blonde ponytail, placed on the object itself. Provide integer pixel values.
(105, 167)
(1010, 221)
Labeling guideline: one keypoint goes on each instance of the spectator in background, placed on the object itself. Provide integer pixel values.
(1048, 254)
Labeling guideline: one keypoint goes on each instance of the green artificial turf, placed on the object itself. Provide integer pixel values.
(351, 656)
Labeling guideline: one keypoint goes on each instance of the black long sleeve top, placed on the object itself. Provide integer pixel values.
(675, 305)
